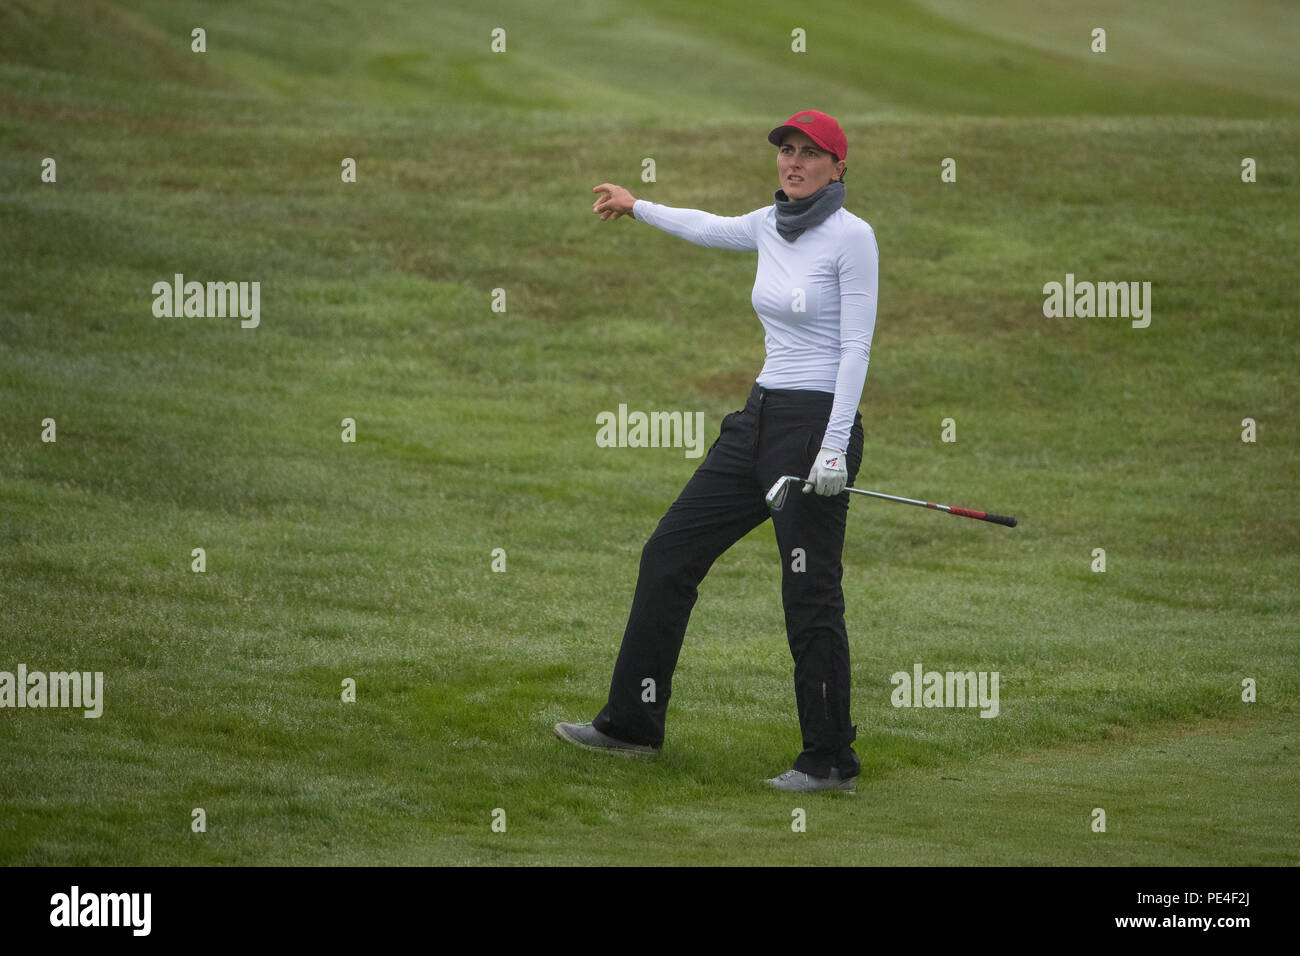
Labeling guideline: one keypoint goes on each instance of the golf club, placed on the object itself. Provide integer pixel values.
(776, 501)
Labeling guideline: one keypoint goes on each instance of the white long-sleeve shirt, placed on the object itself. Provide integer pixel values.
(816, 297)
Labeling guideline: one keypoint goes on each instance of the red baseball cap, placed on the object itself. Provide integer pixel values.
(821, 129)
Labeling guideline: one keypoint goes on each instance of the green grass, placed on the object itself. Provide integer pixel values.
(476, 431)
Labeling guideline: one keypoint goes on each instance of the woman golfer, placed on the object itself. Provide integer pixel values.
(815, 293)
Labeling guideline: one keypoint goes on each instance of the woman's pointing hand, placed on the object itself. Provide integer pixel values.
(613, 202)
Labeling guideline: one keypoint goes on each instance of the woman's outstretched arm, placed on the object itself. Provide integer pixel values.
(693, 225)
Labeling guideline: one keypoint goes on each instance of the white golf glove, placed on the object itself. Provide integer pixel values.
(828, 475)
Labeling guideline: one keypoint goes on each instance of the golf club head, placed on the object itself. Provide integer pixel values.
(775, 497)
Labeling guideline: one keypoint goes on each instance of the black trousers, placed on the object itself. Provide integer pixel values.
(778, 432)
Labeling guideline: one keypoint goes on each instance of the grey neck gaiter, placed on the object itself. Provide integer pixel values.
(793, 216)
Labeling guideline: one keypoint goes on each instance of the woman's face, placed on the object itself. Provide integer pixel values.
(803, 166)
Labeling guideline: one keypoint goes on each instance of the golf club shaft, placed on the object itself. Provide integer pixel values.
(963, 512)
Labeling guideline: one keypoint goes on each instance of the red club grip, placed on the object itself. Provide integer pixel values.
(984, 516)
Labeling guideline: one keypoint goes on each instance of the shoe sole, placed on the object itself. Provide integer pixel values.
(621, 751)
(851, 789)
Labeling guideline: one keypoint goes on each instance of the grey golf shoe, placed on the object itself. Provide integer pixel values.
(796, 781)
(588, 737)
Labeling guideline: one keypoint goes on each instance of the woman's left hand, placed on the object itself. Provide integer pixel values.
(828, 475)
